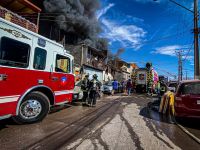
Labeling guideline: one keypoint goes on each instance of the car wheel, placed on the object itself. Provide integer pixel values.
(33, 108)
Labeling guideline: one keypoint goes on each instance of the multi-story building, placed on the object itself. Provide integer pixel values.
(88, 60)
(119, 69)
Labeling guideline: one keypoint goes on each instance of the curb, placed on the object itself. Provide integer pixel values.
(188, 133)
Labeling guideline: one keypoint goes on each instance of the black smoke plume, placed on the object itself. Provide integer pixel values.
(77, 17)
(119, 52)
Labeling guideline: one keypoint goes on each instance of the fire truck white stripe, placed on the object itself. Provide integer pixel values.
(2, 97)
(7, 99)
(63, 92)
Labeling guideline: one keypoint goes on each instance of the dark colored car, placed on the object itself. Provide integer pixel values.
(187, 99)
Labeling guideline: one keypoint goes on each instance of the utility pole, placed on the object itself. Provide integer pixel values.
(180, 66)
(196, 33)
(196, 45)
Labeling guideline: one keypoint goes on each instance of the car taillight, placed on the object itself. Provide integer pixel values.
(178, 99)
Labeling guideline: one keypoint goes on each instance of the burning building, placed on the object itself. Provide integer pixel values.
(89, 60)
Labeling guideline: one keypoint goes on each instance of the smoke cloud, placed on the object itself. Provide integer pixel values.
(78, 17)
(115, 56)
(119, 52)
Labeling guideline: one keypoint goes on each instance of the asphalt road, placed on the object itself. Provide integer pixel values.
(117, 122)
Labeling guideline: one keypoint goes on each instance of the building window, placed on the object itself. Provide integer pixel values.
(14, 53)
(62, 64)
(40, 59)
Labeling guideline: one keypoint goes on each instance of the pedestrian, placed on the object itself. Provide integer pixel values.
(123, 86)
(94, 86)
(114, 86)
(129, 87)
(85, 88)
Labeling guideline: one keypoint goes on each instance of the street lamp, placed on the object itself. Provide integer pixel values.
(196, 32)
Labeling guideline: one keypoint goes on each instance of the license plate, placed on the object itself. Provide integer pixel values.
(198, 102)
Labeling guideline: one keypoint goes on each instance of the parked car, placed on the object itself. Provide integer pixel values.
(78, 93)
(187, 99)
(172, 86)
(107, 87)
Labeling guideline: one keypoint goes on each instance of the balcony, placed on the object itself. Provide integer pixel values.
(12, 10)
(96, 58)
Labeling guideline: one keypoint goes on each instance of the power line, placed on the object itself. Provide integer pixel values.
(45, 16)
(188, 51)
(145, 42)
(189, 69)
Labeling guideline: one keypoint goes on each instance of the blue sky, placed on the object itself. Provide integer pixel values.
(149, 31)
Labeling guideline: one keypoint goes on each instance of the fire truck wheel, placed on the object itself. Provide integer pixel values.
(33, 108)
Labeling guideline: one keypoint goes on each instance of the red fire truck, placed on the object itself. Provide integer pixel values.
(35, 74)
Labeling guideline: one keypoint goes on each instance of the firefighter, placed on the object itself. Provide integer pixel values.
(163, 88)
(94, 86)
(85, 88)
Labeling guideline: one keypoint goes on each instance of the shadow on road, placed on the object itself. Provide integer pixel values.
(193, 123)
(151, 113)
(4, 123)
(59, 108)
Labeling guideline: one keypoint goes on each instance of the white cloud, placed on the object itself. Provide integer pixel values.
(192, 6)
(190, 59)
(169, 50)
(134, 19)
(103, 11)
(128, 35)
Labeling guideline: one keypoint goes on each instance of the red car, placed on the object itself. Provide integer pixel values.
(187, 99)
